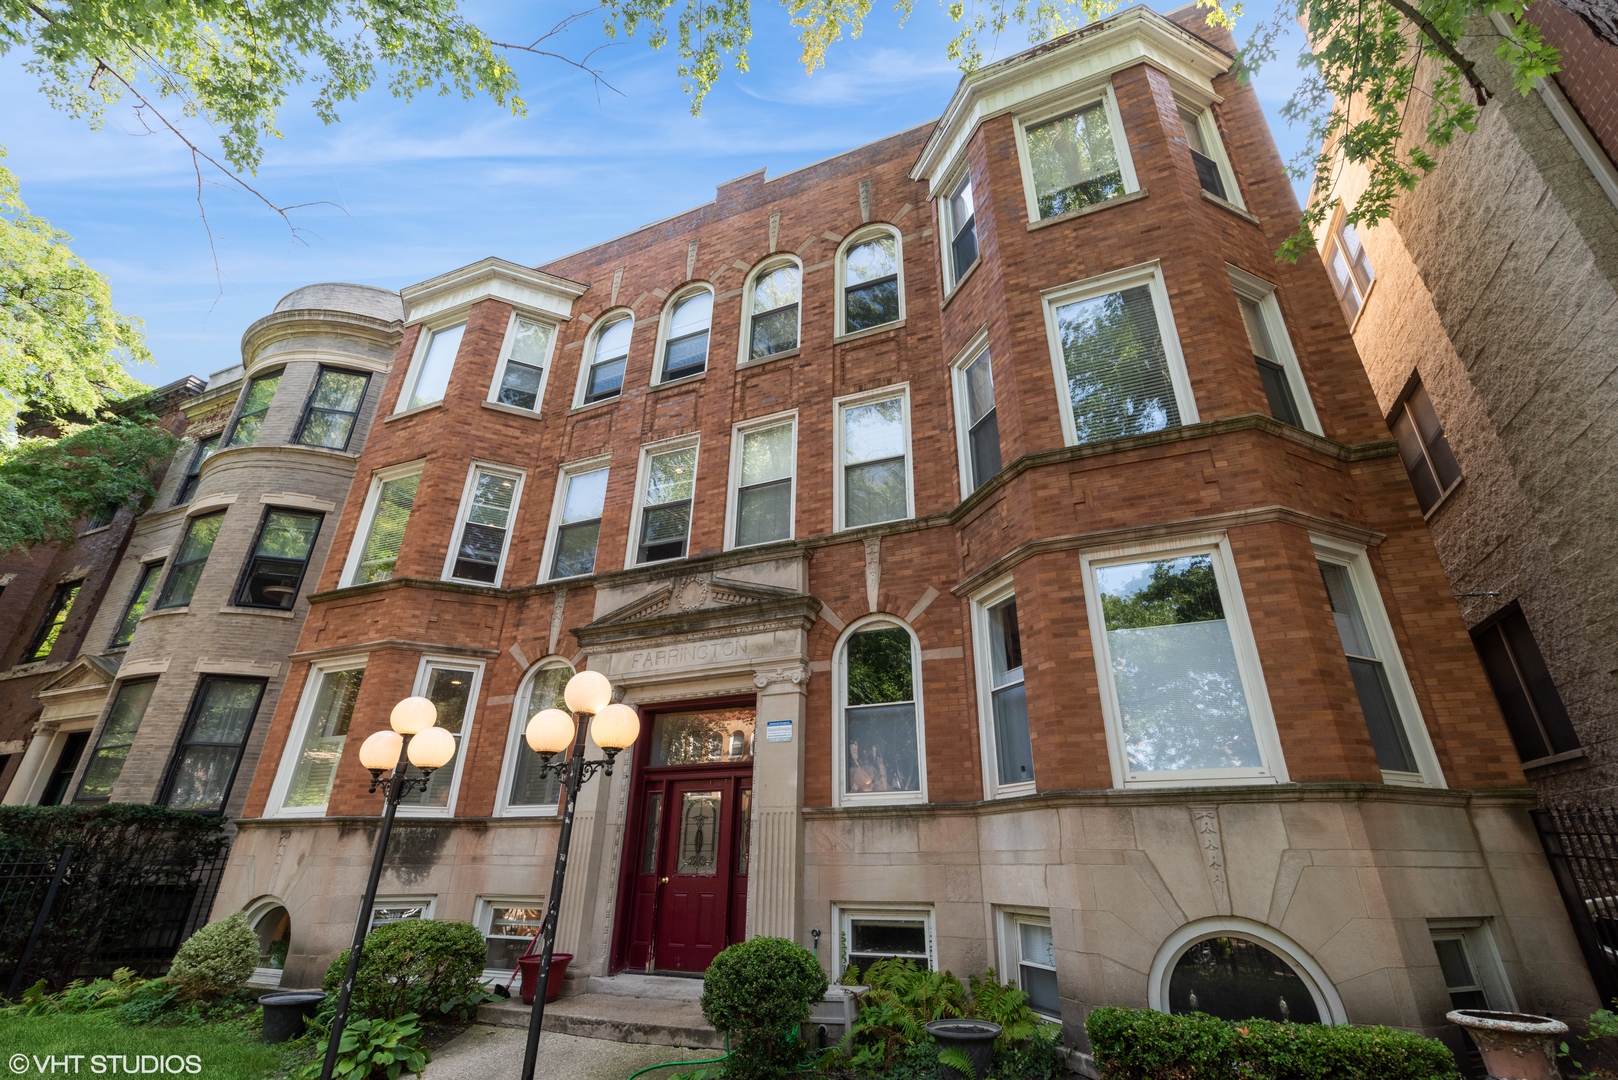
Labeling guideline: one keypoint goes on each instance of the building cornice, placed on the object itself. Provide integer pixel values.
(299, 322)
(531, 291)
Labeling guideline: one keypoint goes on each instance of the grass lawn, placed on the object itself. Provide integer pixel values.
(215, 1052)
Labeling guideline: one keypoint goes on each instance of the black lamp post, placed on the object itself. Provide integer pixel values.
(550, 732)
(413, 739)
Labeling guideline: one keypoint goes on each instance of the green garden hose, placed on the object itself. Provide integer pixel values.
(672, 1064)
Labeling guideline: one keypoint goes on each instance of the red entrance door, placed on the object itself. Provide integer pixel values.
(687, 848)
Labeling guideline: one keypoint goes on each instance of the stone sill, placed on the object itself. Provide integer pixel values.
(683, 380)
(869, 332)
(417, 411)
(1226, 204)
(955, 289)
(1555, 759)
(1084, 211)
(511, 410)
(756, 362)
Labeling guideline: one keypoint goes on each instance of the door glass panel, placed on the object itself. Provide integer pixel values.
(694, 738)
(654, 829)
(699, 833)
(744, 834)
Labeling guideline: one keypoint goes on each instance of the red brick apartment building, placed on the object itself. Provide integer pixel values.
(1009, 560)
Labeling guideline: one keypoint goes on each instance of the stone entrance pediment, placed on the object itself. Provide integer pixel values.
(88, 672)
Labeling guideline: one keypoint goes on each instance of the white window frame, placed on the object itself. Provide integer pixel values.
(602, 324)
(946, 231)
(733, 483)
(302, 718)
(839, 495)
(424, 667)
(992, 594)
(517, 745)
(1477, 939)
(1327, 1001)
(840, 269)
(1071, 103)
(507, 344)
(841, 797)
(1272, 769)
(1353, 558)
(418, 361)
(666, 319)
(465, 511)
(744, 348)
(647, 452)
(558, 500)
(1010, 945)
(843, 916)
(362, 533)
(963, 404)
(1262, 293)
(1334, 244)
(1208, 128)
(429, 904)
(1149, 274)
(483, 919)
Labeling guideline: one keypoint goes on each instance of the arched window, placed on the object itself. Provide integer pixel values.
(1237, 969)
(273, 927)
(685, 348)
(879, 710)
(527, 789)
(873, 293)
(604, 376)
(773, 312)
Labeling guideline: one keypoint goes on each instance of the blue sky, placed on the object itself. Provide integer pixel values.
(415, 190)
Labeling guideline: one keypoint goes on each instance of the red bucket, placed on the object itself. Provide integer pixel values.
(530, 976)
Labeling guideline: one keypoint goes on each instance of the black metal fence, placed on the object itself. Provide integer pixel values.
(65, 916)
(1581, 843)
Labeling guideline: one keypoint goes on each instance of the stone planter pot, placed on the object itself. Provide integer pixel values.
(1515, 1046)
(975, 1037)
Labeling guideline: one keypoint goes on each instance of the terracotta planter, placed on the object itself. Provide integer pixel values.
(529, 966)
(1515, 1046)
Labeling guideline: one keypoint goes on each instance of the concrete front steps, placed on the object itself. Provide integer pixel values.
(626, 1008)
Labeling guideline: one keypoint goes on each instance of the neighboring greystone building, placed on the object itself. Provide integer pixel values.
(1007, 556)
(1486, 313)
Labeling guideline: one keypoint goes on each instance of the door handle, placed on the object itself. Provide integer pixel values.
(664, 881)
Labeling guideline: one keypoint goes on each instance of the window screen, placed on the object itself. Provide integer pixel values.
(1036, 967)
(483, 534)
(877, 938)
(1117, 371)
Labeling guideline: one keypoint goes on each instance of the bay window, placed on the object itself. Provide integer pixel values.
(1076, 159)
(310, 766)
(429, 378)
(519, 377)
(150, 573)
(960, 230)
(210, 750)
(279, 558)
(254, 408)
(193, 471)
(382, 525)
(189, 561)
(334, 406)
(451, 685)
(976, 421)
(117, 736)
(1002, 700)
(1285, 390)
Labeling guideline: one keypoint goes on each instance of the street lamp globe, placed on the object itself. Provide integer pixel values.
(588, 692)
(413, 715)
(615, 727)
(380, 752)
(550, 732)
(432, 748)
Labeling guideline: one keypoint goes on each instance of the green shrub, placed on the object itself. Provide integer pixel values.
(375, 1047)
(421, 966)
(760, 991)
(1140, 1044)
(216, 960)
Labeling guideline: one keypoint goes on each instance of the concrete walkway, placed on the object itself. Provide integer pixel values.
(483, 1052)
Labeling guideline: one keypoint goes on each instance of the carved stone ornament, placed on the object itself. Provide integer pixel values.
(797, 674)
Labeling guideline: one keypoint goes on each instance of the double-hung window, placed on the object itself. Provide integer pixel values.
(880, 717)
(1270, 373)
(1076, 159)
(763, 466)
(961, 230)
(50, 627)
(487, 508)
(186, 570)
(280, 556)
(1001, 697)
(519, 379)
(255, 407)
(145, 586)
(685, 347)
(1533, 708)
(1348, 267)
(382, 525)
(604, 375)
(1182, 690)
(1117, 357)
(529, 789)
(311, 764)
(429, 379)
(193, 471)
(873, 456)
(334, 406)
(1424, 449)
(1208, 154)
(669, 480)
(581, 500)
(1028, 957)
(117, 736)
(210, 749)
(773, 315)
(451, 686)
(872, 289)
(1285, 391)
(976, 422)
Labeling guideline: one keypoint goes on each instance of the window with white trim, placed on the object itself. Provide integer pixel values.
(872, 292)
(1214, 172)
(977, 422)
(310, 765)
(764, 458)
(1182, 690)
(879, 715)
(773, 320)
(663, 510)
(484, 525)
(1028, 959)
(581, 500)
(509, 927)
(1076, 159)
(1001, 696)
(530, 790)
(254, 408)
(382, 525)
(519, 377)
(873, 458)
(685, 342)
(873, 934)
(1279, 373)
(959, 212)
(1425, 449)
(1235, 978)
(389, 909)
(1119, 369)
(430, 379)
(603, 375)
(1348, 266)
(1471, 966)
(452, 687)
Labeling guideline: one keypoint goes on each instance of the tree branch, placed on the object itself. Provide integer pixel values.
(582, 64)
(1467, 69)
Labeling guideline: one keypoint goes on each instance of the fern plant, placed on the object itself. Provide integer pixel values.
(953, 1057)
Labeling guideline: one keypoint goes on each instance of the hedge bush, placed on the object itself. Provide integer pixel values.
(419, 966)
(760, 991)
(1140, 1044)
(217, 960)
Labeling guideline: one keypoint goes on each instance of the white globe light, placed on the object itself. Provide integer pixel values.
(588, 692)
(432, 749)
(381, 750)
(550, 731)
(413, 715)
(615, 727)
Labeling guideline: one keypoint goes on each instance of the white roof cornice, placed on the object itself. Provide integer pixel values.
(532, 291)
(1087, 56)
